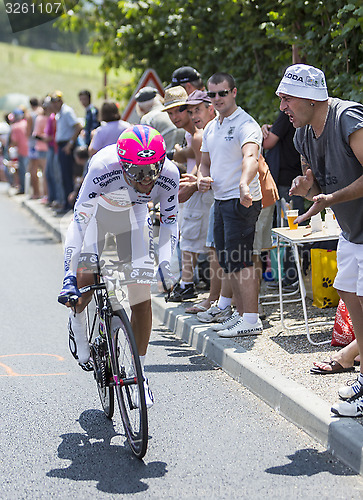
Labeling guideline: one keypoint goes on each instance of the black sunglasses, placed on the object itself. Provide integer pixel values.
(221, 93)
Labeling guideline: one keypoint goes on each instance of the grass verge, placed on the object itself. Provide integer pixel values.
(36, 72)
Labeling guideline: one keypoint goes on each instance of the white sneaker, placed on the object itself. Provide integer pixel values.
(227, 323)
(350, 390)
(242, 328)
(149, 398)
(352, 407)
(215, 314)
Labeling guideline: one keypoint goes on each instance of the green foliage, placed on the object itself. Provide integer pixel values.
(250, 39)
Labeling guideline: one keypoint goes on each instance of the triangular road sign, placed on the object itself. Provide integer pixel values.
(149, 79)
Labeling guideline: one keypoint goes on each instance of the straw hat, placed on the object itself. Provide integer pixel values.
(174, 97)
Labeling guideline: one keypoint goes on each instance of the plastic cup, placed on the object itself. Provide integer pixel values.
(291, 216)
(316, 223)
(330, 224)
(328, 210)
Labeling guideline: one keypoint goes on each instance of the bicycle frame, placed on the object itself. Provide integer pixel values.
(117, 366)
(106, 308)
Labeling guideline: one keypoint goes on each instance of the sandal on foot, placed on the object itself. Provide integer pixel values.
(335, 367)
(195, 309)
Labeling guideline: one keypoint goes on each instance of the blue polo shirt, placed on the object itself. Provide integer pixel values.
(66, 121)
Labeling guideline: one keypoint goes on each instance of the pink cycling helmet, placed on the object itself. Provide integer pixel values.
(141, 152)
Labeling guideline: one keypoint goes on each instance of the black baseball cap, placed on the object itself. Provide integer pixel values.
(184, 74)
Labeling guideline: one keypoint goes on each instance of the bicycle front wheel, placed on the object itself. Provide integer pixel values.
(129, 384)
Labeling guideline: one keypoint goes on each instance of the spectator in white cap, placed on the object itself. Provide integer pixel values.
(329, 137)
(149, 107)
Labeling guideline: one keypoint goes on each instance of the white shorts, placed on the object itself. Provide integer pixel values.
(194, 222)
(262, 239)
(350, 267)
(133, 232)
(210, 234)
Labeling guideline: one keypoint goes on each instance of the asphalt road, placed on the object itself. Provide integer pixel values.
(209, 437)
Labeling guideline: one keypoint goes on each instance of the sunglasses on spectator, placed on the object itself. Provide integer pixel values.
(221, 93)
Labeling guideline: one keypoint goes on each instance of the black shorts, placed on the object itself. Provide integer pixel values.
(234, 232)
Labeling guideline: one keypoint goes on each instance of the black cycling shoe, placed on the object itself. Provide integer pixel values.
(87, 366)
(179, 294)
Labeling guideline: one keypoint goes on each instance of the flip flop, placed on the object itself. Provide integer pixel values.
(195, 309)
(335, 368)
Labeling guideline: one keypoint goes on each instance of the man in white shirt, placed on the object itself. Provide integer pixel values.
(230, 150)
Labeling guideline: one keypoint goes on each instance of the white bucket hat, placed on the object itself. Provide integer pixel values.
(301, 80)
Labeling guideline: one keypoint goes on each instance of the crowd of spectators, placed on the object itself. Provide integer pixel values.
(229, 195)
(53, 147)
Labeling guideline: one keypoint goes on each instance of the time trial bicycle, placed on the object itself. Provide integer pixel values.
(116, 364)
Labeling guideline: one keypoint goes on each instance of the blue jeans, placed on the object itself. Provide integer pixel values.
(22, 166)
(66, 167)
(52, 174)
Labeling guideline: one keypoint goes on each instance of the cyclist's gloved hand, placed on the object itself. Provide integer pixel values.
(166, 277)
(69, 290)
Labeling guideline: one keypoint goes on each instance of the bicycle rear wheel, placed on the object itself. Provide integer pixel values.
(129, 384)
(101, 363)
(103, 376)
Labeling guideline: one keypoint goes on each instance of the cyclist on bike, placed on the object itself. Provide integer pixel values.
(122, 179)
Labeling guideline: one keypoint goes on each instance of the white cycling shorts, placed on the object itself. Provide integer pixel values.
(133, 231)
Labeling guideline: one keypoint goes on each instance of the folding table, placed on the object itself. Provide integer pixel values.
(295, 237)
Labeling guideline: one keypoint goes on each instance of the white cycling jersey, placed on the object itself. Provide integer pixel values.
(105, 184)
